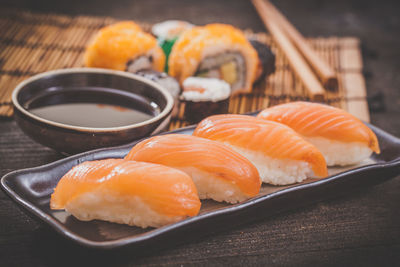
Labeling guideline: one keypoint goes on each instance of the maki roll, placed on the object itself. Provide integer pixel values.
(124, 46)
(165, 81)
(204, 97)
(167, 32)
(266, 65)
(215, 51)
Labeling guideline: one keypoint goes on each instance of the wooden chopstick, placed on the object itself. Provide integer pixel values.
(326, 74)
(296, 61)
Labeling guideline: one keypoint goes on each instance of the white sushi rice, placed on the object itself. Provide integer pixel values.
(170, 29)
(211, 187)
(214, 89)
(108, 206)
(139, 63)
(276, 171)
(340, 153)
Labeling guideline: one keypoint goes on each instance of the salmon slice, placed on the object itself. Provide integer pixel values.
(279, 153)
(339, 135)
(218, 172)
(134, 193)
(81, 179)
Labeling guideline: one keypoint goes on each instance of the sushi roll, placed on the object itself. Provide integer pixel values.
(126, 192)
(215, 51)
(204, 97)
(342, 138)
(218, 172)
(167, 32)
(124, 46)
(165, 81)
(266, 65)
(280, 155)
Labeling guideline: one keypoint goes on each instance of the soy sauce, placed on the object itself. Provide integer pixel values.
(91, 115)
(94, 107)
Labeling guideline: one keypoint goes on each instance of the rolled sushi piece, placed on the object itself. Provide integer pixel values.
(124, 46)
(266, 65)
(215, 51)
(280, 155)
(204, 97)
(126, 192)
(341, 137)
(166, 81)
(167, 32)
(218, 172)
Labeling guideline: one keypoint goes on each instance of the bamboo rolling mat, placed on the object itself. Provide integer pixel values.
(33, 43)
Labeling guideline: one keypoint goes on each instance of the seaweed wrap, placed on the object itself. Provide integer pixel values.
(266, 57)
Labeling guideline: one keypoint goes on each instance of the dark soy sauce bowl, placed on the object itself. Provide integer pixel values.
(98, 86)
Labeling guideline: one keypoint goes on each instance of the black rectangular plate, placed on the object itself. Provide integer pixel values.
(31, 188)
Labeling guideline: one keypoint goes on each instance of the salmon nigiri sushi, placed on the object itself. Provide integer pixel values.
(126, 192)
(342, 138)
(218, 172)
(279, 153)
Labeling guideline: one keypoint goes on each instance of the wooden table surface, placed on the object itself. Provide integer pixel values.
(361, 229)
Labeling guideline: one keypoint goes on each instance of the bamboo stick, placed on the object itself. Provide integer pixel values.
(297, 63)
(323, 70)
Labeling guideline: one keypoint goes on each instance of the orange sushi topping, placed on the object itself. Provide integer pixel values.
(115, 45)
(318, 120)
(167, 191)
(180, 151)
(270, 138)
(81, 179)
(198, 42)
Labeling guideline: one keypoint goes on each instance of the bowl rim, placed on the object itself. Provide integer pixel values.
(164, 113)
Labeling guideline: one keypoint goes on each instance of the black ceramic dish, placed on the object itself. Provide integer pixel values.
(31, 188)
(99, 86)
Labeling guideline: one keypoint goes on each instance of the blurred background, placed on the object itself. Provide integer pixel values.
(376, 23)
